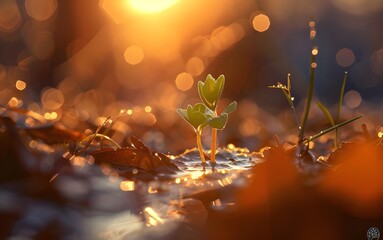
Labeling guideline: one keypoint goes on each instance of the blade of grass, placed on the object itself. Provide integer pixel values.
(337, 117)
(102, 136)
(90, 140)
(291, 100)
(326, 112)
(310, 92)
(286, 90)
(321, 133)
(331, 120)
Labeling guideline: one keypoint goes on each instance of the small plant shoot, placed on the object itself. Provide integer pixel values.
(197, 118)
(270, 142)
(205, 114)
(286, 90)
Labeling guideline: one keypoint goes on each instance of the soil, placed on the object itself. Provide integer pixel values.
(51, 190)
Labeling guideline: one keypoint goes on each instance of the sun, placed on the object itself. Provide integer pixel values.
(151, 6)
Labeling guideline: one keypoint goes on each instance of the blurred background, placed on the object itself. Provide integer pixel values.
(137, 61)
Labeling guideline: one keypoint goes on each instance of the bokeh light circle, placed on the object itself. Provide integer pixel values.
(261, 22)
(134, 55)
(345, 57)
(184, 81)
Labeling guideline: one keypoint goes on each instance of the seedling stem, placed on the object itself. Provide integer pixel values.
(199, 145)
(213, 142)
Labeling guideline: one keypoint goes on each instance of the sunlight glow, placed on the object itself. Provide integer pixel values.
(230, 146)
(127, 186)
(197, 174)
(152, 217)
(151, 6)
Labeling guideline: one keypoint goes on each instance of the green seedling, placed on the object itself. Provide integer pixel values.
(310, 92)
(87, 141)
(197, 118)
(326, 112)
(210, 92)
(340, 103)
(205, 114)
(337, 117)
(335, 125)
(93, 136)
(286, 90)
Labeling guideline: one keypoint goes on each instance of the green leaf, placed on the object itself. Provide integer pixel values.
(197, 119)
(231, 108)
(218, 88)
(183, 113)
(194, 115)
(210, 91)
(201, 87)
(206, 93)
(341, 94)
(218, 122)
(199, 107)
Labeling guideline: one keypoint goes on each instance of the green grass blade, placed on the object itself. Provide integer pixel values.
(321, 133)
(341, 94)
(289, 82)
(310, 92)
(98, 135)
(286, 90)
(91, 137)
(326, 112)
(340, 103)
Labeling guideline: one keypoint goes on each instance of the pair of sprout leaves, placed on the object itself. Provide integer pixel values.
(205, 114)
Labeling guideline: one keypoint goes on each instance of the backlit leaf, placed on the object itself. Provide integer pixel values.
(218, 122)
(231, 108)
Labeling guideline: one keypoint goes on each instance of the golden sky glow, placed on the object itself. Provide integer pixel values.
(151, 6)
